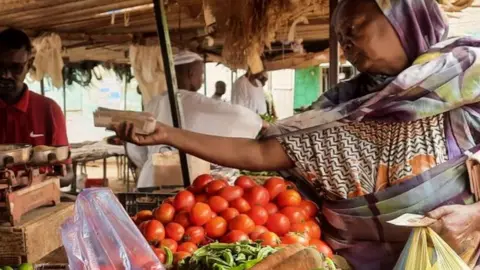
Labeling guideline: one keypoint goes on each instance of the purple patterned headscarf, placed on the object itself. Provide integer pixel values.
(419, 24)
(443, 78)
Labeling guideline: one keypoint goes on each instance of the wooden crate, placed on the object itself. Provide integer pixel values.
(37, 236)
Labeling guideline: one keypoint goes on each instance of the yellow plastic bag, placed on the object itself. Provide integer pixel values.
(426, 250)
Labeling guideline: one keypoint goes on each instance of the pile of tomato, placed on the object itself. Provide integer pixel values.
(212, 210)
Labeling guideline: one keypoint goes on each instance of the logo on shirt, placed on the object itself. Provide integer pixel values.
(33, 135)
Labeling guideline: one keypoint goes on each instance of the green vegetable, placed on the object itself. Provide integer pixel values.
(168, 256)
(7, 268)
(25, 266)
(219, 256)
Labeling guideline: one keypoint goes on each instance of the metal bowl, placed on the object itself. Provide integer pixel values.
(49, 154)
(12, 154)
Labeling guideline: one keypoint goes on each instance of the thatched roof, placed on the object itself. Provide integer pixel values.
(102, 30)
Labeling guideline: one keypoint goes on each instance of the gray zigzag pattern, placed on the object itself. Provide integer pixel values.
(341, 155)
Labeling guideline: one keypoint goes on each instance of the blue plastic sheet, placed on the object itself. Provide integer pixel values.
(101, 235)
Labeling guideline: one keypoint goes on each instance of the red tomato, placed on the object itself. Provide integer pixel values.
(144, 215)
(215, 186)
(201, 182)
(241, 205)
(200, 214)
(230, 213)
(169, 200)
(259, 230)
(269, 239)
(314, 229)
(309, 208)
(184, 201)
(164, 213)
(300, 228)
(271, 208)
(201, 198)
(257, 195)
(245, 182)
(187, 247)
(278, 223)
(275, 186)
(294, 214)
(242, 223)
(174, 231)
(322, 247)
(295, 238)
(170, 244)
(234, 237)
(214, 215)
(258, 214)
(289, 198)
(160, 254)
(291, 185)
(217, 204)
(153, 231)
(231, 193)
(216, 228)
(182, 218)
(194, 234)
(179, 256)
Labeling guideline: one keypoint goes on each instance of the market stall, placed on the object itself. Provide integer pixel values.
(207, 225)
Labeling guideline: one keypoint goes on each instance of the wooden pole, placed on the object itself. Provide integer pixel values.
(205, 75)
(42, 87)
(334, 56)
(64, 95)
(165, 47)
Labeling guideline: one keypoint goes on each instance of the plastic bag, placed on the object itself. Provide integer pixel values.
(425, 250)
(101, 235)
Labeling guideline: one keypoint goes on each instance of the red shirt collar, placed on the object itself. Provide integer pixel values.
(22, 104)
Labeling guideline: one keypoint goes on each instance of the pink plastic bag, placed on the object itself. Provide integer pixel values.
(101, 235)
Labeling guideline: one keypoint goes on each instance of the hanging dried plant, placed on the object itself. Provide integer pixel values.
(252, 25)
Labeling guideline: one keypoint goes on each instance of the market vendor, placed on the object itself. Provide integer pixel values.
(26, 117)
(201, 114)
(388, 142)
(247, 91)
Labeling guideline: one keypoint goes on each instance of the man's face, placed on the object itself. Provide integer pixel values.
(14, 66)
(196, 75)
(220, 88)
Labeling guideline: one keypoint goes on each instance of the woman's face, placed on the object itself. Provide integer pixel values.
(368, 39)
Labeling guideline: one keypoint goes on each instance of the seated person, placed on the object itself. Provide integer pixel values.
(26, 117)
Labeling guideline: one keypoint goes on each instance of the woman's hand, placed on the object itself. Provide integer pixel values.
(244, 154)
(125, 131)
(456, 223)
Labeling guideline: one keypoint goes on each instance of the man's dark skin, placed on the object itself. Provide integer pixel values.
(220, 89)
(261, 77)
(14, 66)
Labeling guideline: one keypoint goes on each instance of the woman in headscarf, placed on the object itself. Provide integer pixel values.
(386, 143)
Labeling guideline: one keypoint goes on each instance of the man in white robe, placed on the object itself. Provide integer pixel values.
(247, 91)
(201, 114)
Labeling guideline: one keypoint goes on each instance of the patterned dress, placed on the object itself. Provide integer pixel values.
(360, 158)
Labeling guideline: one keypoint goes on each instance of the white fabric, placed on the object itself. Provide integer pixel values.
(186, 57)
(202, 115)
(48, 59)
(147, 64)
(249, 96)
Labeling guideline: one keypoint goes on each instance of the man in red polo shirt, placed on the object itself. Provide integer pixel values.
(26, 117)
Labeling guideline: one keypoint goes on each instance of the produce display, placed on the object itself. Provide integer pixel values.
(24, 266)
(212, 221)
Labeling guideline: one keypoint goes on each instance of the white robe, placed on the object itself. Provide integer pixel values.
(249, 96)
(202, 115)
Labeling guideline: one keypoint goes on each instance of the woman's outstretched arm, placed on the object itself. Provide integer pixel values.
(247, 154)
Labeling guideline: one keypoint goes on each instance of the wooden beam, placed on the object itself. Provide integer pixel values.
(20, 7)
(75, 9)
(334, 59)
